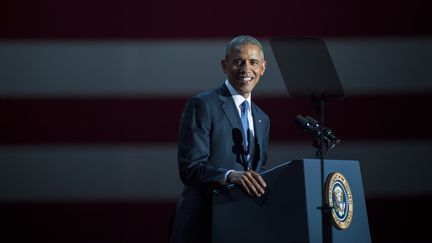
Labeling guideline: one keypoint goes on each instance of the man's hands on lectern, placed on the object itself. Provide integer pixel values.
(249, 180)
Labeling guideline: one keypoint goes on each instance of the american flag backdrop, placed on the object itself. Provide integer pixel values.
(91, 94)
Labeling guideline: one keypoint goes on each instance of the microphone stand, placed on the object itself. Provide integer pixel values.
(319, 103)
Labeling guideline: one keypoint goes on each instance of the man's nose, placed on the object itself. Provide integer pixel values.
(246, 67)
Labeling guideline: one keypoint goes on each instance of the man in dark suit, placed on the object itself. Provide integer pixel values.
(223, 140)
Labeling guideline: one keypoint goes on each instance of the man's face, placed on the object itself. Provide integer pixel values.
(244, 66)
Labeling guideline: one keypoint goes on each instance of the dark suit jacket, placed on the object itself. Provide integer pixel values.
(205, 154)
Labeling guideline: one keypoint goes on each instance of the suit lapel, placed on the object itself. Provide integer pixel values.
(259, 130)
(229, 108)
(258, 124)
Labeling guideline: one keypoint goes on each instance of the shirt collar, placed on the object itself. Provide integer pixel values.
(238, 98)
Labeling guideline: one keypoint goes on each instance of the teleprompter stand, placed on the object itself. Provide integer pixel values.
(308, 72)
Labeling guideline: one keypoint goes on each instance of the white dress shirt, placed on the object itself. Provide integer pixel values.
(238, 100)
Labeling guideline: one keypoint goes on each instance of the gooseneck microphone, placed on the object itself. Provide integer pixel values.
(238, 148)
(308, 124)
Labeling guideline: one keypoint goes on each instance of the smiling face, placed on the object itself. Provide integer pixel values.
(244, 65)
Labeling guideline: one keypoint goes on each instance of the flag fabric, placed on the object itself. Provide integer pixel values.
(91, 94)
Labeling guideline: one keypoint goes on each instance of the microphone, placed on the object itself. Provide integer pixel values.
(305, 124)
(237, 137)
(327, 132)
(311, 125)
(238, 148)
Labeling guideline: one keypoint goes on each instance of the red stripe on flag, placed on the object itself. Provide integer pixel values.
(150, 120)
(160, 19)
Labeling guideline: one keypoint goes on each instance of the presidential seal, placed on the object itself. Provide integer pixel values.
(339, 198)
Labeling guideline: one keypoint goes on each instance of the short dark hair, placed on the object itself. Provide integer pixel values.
(242, 40)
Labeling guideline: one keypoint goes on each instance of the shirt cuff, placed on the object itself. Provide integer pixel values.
(225, 182)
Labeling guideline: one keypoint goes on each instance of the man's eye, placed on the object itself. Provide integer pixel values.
(237, 62)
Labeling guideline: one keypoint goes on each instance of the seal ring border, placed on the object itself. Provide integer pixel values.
(331, 179)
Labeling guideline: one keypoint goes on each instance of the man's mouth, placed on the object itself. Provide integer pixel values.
(245, 79)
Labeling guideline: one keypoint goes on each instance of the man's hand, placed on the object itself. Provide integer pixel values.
(249, 180)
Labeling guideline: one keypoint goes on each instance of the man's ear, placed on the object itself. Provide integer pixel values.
(224, 65)
(264, 66)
